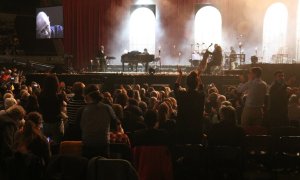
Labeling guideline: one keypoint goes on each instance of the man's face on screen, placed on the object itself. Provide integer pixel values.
(43, 29)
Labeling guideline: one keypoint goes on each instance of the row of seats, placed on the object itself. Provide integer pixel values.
(188, 161)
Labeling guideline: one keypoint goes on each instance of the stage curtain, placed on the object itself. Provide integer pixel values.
(81, 29)
(88, 23)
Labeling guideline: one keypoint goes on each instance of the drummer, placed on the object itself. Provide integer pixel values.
(195, 59)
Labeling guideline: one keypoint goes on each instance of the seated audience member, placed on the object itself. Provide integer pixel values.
(8, 102)
(164, 121)
(121, 98)
(294, 110)
(151, 135)
(31, 140)
(107, 98)
(144, 107)
(72, 129)
(133, 117)
(9, 125)
(226, 133)
(97, 120)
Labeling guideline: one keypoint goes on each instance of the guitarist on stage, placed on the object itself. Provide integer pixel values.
(216, 58)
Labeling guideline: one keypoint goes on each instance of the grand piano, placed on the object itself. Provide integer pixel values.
(135, 57)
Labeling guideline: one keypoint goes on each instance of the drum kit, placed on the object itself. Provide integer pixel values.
(197, 54)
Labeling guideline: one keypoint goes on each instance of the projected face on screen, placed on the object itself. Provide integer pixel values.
(49, 22)
(43, 29)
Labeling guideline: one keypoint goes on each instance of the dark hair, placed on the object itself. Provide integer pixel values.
(30, 132)
(191, 80)
(150, 118)
(257, 71)
(34, 117)
(93, 92)
(50, 84)
(78, 88)
(228, 114)
(278, 72)
(121, 99)
(130, 93)
(133, 102)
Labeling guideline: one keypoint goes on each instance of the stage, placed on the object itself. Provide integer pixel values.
(111, 80)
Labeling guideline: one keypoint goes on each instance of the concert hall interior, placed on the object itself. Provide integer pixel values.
(168, 61)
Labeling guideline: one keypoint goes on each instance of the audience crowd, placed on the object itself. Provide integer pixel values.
(36, 118)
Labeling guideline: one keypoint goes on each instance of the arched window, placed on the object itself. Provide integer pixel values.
(274, 33)
(298, 34)
(208, 25)
(142, 30)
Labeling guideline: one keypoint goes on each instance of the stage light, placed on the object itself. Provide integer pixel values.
(151, 71)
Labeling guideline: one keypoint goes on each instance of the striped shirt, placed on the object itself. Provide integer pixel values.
(74, 104)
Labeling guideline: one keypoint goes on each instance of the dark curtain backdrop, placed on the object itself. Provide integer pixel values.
(88, 23)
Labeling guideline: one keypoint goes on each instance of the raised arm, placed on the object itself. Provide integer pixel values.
(201, 68)
(179, 77)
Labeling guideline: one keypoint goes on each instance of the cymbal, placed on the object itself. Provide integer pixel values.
(110, 57)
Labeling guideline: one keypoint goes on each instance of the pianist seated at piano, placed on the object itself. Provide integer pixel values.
(133, 58)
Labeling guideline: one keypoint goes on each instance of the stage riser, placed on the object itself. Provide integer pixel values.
(111, 81)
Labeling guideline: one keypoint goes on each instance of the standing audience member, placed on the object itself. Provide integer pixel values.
(97, 120)
(51, 103)
(278, 102)
(189, 124)
(256, 90)
(72, 130)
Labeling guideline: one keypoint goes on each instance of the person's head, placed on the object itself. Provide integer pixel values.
(136, 95)
(36, 118)
(101, 47)
(192, 80)
(8, 102)
(16, 112)
(92, 94)
(130, 93)
(51, 84)
(150, 118)
(227, 114)
(8, 95)
(145, 50)
(231, 48)
(221, 99)
(78, 88)
(118, 109)
(279, 76)
(154, 94)
(163, 111)
(121, 99)
(294, 99)
(132, 102)
(143, 106)
(43, 29)
(254, 73)
(152, 102)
